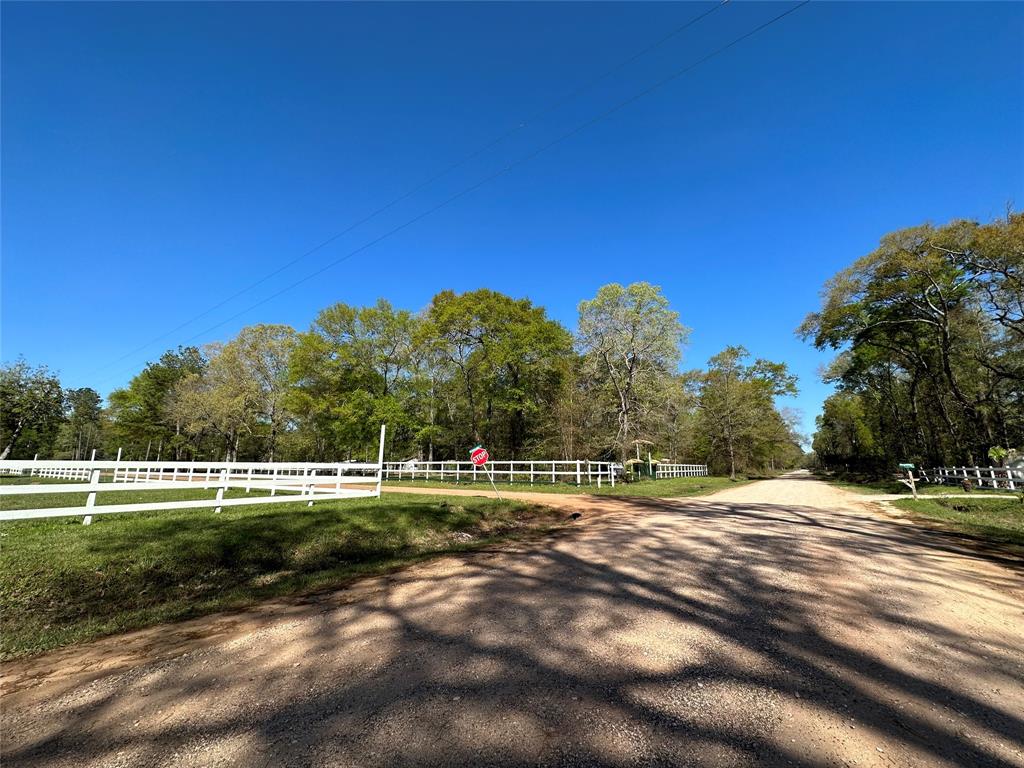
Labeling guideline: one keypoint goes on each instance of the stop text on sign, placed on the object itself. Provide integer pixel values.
(479, 456)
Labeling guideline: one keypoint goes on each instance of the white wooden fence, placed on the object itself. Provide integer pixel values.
(577, 472)
(662, 470)
(295, 481)
(982, 477)
(73, 471)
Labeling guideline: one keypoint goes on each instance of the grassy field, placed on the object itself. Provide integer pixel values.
(66, 582)
(998, 520)
(44, 500)
(668, 488)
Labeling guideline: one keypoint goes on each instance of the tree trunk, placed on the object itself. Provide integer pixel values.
(14, 438)
(624, 421)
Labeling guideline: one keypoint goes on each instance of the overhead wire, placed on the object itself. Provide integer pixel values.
(520, 126)
(676, 74)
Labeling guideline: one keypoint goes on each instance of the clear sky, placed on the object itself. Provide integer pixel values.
(158, 158)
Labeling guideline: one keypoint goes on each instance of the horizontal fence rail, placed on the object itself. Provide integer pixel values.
(285, 482)
(573, 472)
(680, 470)
(983, 477)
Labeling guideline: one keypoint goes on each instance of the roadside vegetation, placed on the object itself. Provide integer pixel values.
(63, 582)
(996, 520)
(874, 485)
(929, 331)
(470, 368)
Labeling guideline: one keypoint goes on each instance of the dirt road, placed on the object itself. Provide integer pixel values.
(780, 623)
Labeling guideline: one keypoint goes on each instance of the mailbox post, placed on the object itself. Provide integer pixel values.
(910, 482)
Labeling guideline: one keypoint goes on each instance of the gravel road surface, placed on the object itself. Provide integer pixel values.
(784, 623)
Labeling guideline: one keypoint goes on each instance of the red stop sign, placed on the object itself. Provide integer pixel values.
(479, 456)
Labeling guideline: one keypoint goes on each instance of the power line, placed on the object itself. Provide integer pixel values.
(523, 124)
(506, 169)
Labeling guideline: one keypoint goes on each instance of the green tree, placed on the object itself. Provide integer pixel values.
(929, 330)
(630, 340)
(142, 417)
(31, 410)
(844, 436)
(505, 354)
(260, 355)
(736, 400)
(349, 373)
(82, 432)
(240, 393)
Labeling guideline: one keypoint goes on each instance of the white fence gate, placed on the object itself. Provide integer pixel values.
(294, 481)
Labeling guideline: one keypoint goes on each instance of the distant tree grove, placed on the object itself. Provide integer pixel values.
(476, 367)
(930, 333)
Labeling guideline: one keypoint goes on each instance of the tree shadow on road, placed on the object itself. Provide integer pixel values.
(669, 636)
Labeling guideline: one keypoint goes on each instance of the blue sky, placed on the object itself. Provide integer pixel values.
(157, 158)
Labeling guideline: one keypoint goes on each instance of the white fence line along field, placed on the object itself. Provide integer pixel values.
(65, 470)
(578, 472)
(297, 481)
(680, 470)
(982, 477)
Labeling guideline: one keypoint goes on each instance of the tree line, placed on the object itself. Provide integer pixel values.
(475, 367)
(930, 332)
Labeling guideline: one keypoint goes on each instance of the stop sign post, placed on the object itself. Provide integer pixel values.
(479, 456)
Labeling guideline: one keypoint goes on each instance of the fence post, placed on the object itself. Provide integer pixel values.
(222, 486)
(91, 501)
(380, 456)
(579, 478)
(611, 471)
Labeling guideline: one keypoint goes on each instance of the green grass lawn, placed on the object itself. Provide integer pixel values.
(46, 500)
(63, 582)
(998, 520)
(667, 488)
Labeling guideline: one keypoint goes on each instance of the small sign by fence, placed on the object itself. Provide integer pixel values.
(479, 457)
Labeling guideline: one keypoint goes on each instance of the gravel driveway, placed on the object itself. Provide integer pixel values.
(780, 623)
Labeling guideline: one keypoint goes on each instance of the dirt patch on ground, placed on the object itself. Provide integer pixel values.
(782, 623)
